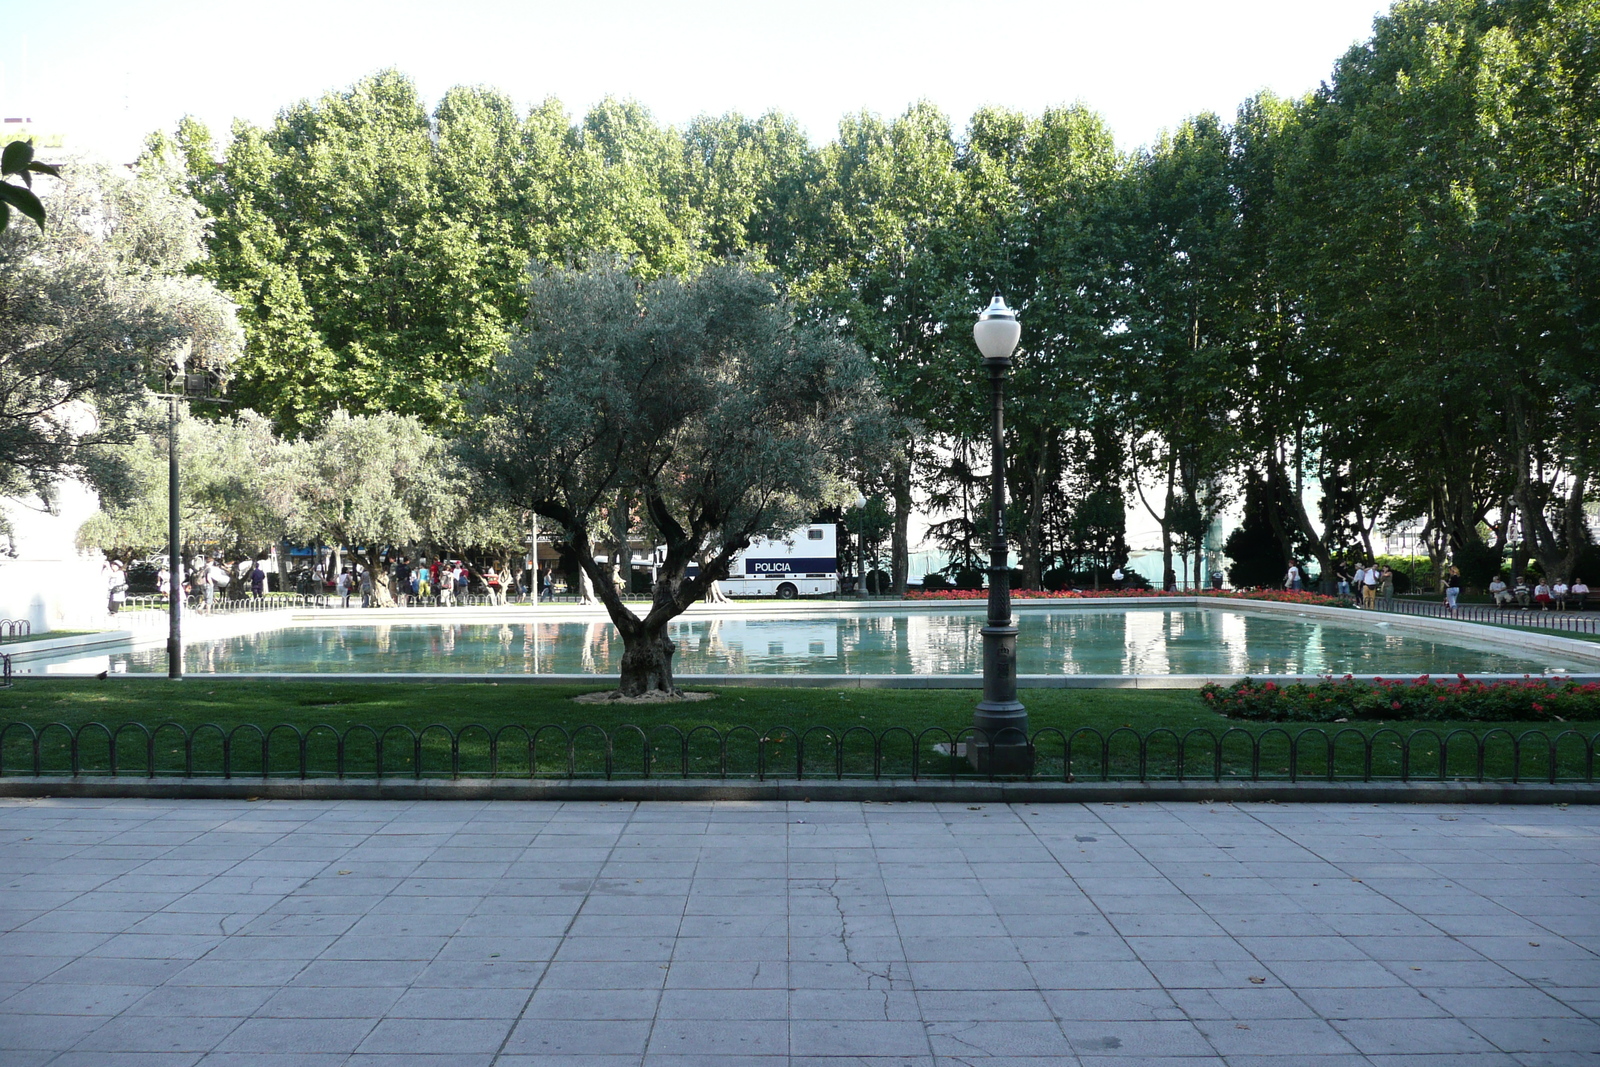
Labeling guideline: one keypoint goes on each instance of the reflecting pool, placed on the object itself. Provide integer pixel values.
(1149, 641)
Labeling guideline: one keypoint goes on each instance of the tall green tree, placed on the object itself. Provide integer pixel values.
(1450, 166)
(877, 256)
(1177, 228)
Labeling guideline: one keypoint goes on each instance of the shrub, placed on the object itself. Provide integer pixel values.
(969, 578)
(1331, 700)
(932, 582)
(1412, 574)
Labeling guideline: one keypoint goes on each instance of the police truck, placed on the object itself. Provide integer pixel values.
(802, 562)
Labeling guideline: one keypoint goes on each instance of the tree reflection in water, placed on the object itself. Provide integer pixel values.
(1147, 641)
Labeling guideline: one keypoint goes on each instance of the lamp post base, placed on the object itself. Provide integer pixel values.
(991, 759)
(999, 742)
(1000, 759)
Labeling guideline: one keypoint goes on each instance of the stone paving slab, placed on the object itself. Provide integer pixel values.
(564, 934)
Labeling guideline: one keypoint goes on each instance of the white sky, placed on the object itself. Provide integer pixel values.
(106, 73)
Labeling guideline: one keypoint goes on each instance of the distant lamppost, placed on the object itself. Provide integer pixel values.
(181, 385)
(1000, 722)
(861, 544)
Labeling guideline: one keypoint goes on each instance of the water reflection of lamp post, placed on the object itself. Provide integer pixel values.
(1000, 722)
(861, 543)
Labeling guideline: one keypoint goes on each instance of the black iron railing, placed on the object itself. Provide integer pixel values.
(704, 752)
(11, 629)
(1570, 621)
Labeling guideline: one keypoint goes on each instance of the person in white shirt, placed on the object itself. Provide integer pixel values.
(1291, 580)
(1501, 594)
(1369, 586)
(1558, 592)
(1579, 594)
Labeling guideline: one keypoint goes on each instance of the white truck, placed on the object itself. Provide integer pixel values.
(803, 562)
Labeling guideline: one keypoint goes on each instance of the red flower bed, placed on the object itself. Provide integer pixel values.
(1282, 596)
(1527, 700)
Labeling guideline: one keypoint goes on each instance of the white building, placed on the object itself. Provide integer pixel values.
(43, 577)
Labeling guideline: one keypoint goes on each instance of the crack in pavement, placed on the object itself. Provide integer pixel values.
(849, 954)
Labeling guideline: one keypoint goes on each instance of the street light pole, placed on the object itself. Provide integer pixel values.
(174, 554)
(861, 546)
(1000, 722)
(181, 385)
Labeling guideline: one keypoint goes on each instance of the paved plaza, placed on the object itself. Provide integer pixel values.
(146, 933)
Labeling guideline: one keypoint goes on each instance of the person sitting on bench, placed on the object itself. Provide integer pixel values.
(1541, 595)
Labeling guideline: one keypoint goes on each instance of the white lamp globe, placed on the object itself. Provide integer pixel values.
(997, 330)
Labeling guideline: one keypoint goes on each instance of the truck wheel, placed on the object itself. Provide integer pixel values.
(786, 591)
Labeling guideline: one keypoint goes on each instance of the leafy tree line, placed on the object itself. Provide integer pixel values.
(1386, 289)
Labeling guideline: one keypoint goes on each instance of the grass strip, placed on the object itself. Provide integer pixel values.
(741, 733)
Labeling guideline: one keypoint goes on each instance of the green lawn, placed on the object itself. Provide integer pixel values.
(47, 635)
(764, 729)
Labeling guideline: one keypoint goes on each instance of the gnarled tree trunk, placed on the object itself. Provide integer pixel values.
(647, 661)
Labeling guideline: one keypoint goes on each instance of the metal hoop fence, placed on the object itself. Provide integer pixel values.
(1577, 621)
(703, 752)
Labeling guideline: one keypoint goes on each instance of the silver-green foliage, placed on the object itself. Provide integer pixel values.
(690, 412)
(88, 308)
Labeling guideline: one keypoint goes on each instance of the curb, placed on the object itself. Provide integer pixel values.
(792, 790)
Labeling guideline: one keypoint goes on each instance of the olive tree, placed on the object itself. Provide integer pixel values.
(693, 412)
(372, 482)
(89, 308)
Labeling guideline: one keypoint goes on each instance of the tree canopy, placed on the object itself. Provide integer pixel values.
(91, 307)
(1380, 300)
(690, 412)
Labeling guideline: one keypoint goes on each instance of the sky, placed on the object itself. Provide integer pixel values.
(104, 74)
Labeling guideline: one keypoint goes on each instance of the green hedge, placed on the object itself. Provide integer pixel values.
(1425, 698)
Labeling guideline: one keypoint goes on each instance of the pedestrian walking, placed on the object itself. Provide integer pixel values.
(1452, 588)
(116, 587)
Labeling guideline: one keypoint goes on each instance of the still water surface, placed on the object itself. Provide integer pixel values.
(1066, 641)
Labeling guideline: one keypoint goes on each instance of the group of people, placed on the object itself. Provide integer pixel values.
(1367, 584)
(448, 580)
(1532, 593)
(203, 580)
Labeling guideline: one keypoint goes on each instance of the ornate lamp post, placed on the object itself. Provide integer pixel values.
(181, 385)
(1000, 722)
(861, 545)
